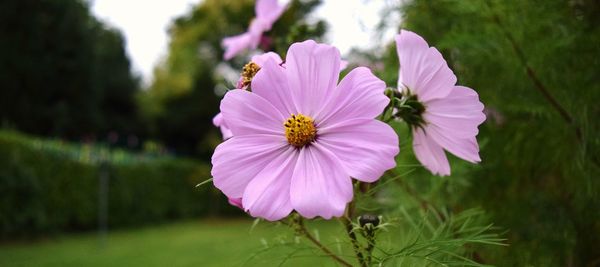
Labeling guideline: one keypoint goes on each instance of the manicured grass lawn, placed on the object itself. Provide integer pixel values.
(207, 242)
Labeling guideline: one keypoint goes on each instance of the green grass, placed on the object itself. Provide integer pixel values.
(192, 243)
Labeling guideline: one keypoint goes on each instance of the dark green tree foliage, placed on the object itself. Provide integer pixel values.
(181, 102)
(62, 72)
(535, 65)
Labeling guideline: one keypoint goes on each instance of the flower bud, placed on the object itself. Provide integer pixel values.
(368, 219)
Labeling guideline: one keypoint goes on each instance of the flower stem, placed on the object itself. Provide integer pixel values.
(303, 231)
(348, 224)
(534, 77)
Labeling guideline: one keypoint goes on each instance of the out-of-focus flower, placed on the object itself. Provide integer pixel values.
(267, 12)
(246, 77)
(442, 115)
(299, 137)
(250, 69)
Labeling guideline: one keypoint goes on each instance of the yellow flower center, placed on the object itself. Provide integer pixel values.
(248, 73)
(300, 130)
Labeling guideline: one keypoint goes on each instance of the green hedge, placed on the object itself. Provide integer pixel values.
(49, 186)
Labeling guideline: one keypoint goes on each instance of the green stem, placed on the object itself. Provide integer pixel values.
(348, 224)
(303, 231)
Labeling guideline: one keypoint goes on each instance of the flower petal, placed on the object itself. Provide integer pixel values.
(249, 113)
(238, 160)
(464, 148)
(235, 202)
(268, 194)
(268, 10)
(366, 148)
(422, 68)
(235, 44)
(320, 186)
(271, 83)
(359, 95)
(430, 154)
(261, 59)
(458, 114)
(219, 122)
(313, 71)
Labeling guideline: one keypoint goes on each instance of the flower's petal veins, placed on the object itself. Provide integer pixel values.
(269, 10)
(261, 59)
(235, 44)
(430, 154)
(249, 113)
(313, 71)
(422, 68)
(271, 83)
(359, 95)
(458, 114)
(237, 161)
(268, 194)
(366, 148)
(320, 186)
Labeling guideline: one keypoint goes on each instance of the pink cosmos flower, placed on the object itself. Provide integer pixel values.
(298, 138)
(267, 12)
(450, 114)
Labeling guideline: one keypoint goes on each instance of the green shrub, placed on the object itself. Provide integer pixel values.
(49, 186)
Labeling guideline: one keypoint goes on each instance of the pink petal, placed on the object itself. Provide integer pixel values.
(464, 148)
(268, 10)
(313, 71)
(422, 68)
(268, 194)
(235, 202)
(366, 148)
(239, 159)
(219, 122)
(261, 59)
(359, 95)
(430, 154)
(271, 84)
(249, 113)
(235, 44)
(320, 186)
(458, 114)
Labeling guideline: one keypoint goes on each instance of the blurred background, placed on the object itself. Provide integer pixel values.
(106, 114)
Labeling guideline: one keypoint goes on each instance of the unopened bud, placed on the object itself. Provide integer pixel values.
(368, 219)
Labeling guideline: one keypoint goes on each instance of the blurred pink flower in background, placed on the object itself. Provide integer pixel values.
(299, 137)
(267, 12)
(259, 60)
(451, 113)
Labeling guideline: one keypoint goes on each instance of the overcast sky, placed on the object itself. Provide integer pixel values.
(351, 21)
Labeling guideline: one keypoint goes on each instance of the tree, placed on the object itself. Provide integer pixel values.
(62, 72)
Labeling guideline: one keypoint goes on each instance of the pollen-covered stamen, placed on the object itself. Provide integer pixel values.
(248, 73)
(300, 130)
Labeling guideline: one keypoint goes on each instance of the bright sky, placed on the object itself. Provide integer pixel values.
(351, 24)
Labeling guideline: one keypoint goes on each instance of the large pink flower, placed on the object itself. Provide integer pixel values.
(298, 138)
(450, 113)
(267, 12)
